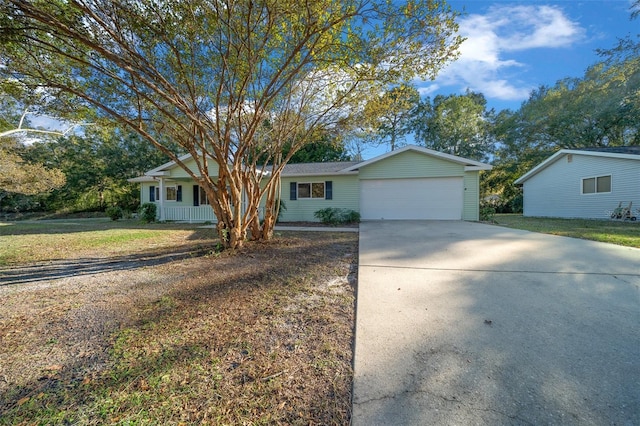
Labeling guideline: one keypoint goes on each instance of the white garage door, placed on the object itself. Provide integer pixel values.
(428, 198)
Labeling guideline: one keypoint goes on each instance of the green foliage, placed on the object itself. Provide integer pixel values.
(148, 212)
(25, 177)
(114, 212)
(389, 117)
(324, 150)
(487, 212)
(336, 216)
(351, 216)
(456, 124)
(97, 165)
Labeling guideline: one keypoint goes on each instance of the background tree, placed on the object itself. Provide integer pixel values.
(327, 148)
(97, 164)
(388, 117)
(456, 124)
(18, 176)
(229, 81)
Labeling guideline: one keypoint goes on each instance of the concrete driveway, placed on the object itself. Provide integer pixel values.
(463, 323)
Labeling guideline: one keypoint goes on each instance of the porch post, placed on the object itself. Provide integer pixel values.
(161, 199)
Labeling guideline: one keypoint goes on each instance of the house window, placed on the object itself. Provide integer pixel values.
(173, 193)
(157, 192)
(203, 196)
(311, 190)
(598, 184)
(308, 190)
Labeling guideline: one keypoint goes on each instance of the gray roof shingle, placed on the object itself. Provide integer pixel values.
(633, 150)
(316, 168)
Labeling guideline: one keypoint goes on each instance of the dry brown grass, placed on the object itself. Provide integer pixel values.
(263, 336)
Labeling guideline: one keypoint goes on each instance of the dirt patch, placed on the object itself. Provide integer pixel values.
(259, 336)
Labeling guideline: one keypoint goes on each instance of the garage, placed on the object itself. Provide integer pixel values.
(418, 198)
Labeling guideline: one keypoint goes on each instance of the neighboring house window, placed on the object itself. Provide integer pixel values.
(152, 194)
(311, 190)
(596, 184)
(174, 193)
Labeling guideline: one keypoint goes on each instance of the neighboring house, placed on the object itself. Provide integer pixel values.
(409, 183)
(583, 183)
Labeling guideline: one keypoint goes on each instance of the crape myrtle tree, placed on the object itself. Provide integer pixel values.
(229, 81)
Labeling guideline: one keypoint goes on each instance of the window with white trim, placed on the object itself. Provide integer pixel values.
(311, 190)
(596, 184)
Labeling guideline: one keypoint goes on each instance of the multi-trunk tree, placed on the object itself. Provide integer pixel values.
(229, 81)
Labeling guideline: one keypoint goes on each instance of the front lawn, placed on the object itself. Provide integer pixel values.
(101, 323)
(24, 242)
(624, 233)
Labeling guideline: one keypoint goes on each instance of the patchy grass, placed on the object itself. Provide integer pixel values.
(624, 233)
(260, 336)
(37, 241)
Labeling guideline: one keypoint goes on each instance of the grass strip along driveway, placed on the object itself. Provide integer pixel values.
(623, 233)
(123, 323)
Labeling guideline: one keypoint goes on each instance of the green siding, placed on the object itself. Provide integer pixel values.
(411, 165)
(471, 208)
(178, 172)
(345, 195)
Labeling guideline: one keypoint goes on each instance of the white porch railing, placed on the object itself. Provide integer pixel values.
(188, 214)
(192, 214)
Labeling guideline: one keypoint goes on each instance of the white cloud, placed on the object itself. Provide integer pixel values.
(541, 26)
(484, 64)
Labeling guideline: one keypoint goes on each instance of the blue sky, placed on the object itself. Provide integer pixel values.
(513, 47)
